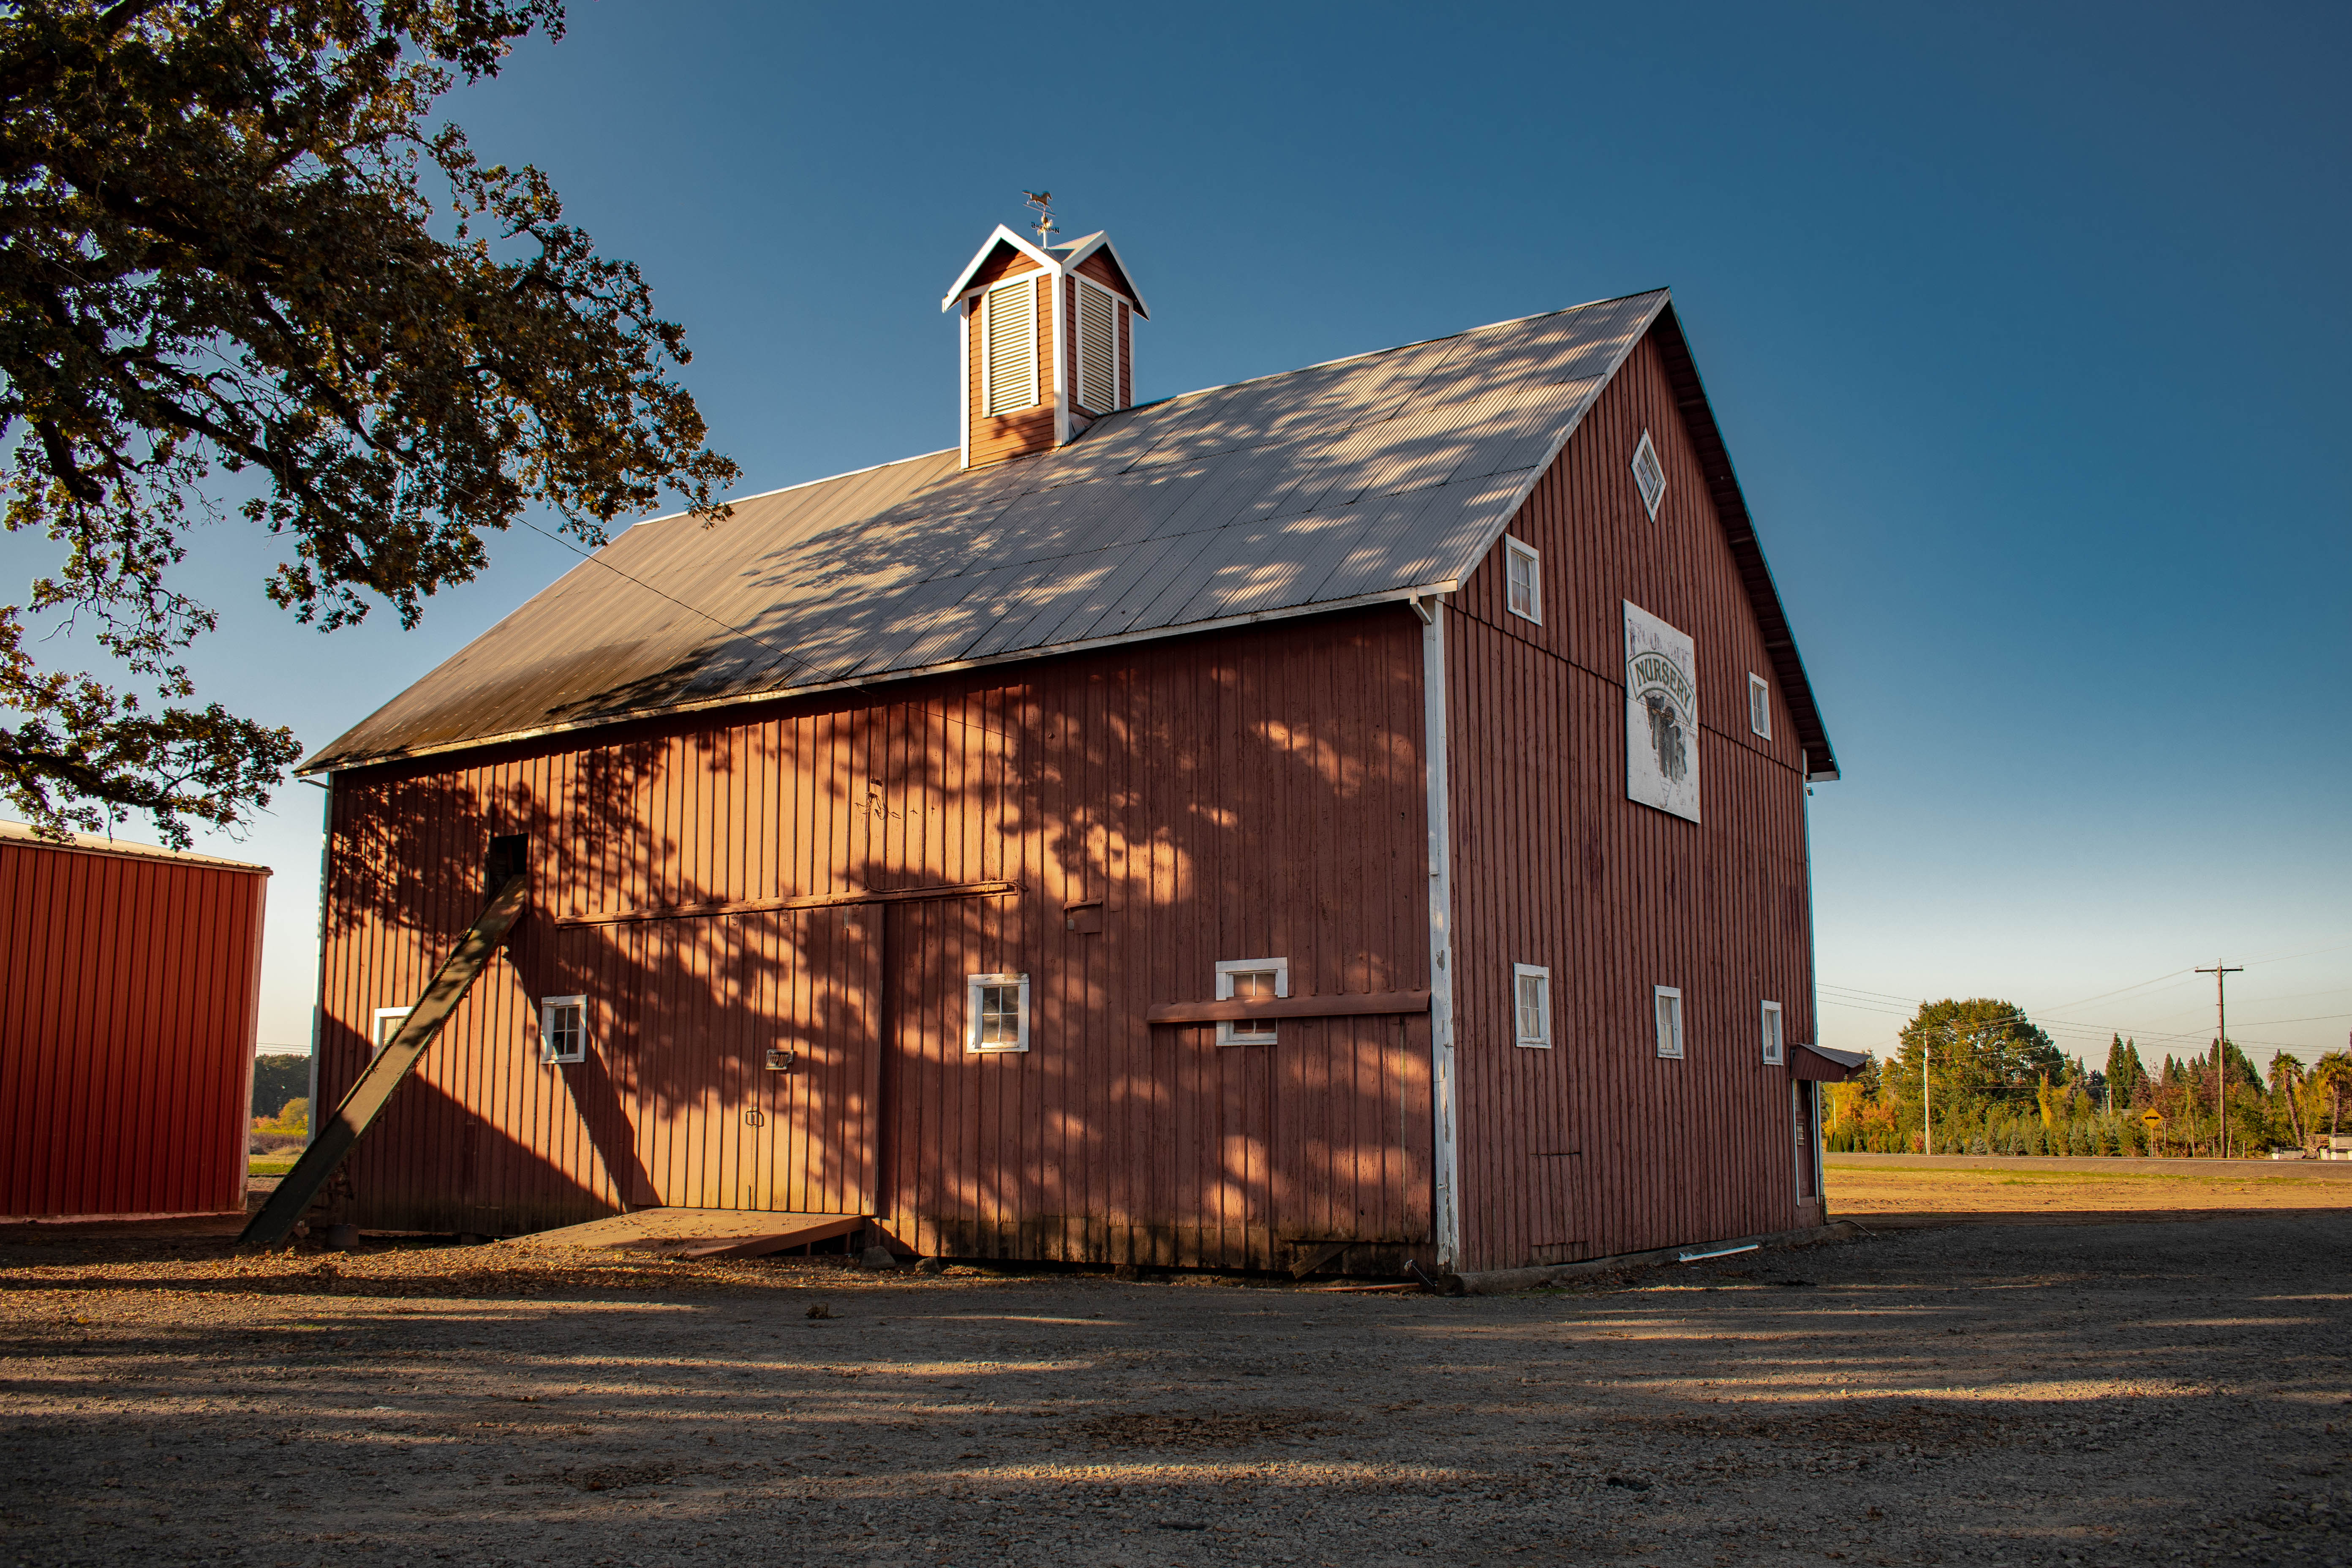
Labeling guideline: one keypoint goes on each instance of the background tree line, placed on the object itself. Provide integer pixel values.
(1995, 1084)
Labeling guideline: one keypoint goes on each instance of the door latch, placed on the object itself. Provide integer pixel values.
(781, 1060)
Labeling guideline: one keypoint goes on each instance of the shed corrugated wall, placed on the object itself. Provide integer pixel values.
(128, 988)
(1230, 796)
(1597, 1146)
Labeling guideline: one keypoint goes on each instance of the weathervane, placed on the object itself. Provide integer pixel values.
(1043, 202)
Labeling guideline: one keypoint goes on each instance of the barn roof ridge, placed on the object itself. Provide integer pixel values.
(1376, 477)
(1195, 391)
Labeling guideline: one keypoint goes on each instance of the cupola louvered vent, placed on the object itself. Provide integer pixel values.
(1011, 330)
(1098, 350)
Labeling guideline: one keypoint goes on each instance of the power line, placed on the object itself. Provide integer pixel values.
(695, 609)
(2159, 980)
(2077, 1034)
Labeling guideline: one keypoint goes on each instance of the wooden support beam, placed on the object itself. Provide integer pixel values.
(338, 1132)
(813, 901)
(1338, 1005)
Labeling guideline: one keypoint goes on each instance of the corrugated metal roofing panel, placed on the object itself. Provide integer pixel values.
(1367, 476)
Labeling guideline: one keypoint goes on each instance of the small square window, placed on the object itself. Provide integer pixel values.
(564, 1029)
(1250, 980)
(1524, 569)
(997, 1013)
(1772, 1034)
(1670, 1020)
(1531, 1006)
(1759, 706)
(387, 1025)
(1649, 474)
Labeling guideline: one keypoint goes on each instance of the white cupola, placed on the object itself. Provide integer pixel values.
(1047, 335)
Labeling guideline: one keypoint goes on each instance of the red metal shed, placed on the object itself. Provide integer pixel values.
(129, 979)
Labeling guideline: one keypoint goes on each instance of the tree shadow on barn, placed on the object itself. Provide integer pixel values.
(1227, 795)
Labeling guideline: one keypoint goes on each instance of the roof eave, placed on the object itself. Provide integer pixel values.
(1102, 242)
(1003, 235)
(1739, 531)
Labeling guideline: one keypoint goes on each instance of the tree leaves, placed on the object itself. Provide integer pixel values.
(231, 245)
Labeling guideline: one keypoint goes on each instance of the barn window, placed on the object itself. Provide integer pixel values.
(1526, 577)
(1759, 706)
(387, 1025)
(997, 1009)
(1251, 980)
(1009, 331)
(1097, 348)
(1772, 1034)
(1649, 474)
(1531, 1004)
(564, 1029)
(1670, 1020)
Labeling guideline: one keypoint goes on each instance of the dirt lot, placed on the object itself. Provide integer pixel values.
(2104, 1393)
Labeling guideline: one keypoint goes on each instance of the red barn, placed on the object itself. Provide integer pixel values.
(129, 983)
(1351, 815)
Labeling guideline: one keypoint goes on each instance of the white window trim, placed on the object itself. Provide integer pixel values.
(987, 361)
(972, 982)
(1758, 685)
(1520, 972)
(1649, 500)
(547, 1007)
(377, 1039)
(1227, 1033)
(1534, 558)
(1669, 1050)
(1775, 1040)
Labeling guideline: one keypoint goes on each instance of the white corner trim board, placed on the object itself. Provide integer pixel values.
(1448, 1217)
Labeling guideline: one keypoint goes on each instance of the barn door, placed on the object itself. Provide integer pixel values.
(815, 1059)
(1805, 1116)
(685, 1015)
(1348, 1129)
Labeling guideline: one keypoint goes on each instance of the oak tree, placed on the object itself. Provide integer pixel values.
(243, 273)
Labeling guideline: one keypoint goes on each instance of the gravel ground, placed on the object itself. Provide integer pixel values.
(2104, 1393)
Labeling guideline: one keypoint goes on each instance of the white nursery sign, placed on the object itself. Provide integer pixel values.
(1661, 715)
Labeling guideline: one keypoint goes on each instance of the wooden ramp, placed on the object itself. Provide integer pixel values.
(352, 1119)
(701, 1233)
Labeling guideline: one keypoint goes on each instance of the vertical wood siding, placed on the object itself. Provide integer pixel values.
(1597, 1146)
(129, 987)
(1098, 268)
(996, 437)
(1231, 795)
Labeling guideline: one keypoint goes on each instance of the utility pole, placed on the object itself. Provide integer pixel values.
(2222, 1055)
(1927, 1105)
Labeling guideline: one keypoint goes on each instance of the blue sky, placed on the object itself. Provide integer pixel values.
(2024, 326)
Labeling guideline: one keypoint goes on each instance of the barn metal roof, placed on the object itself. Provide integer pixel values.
(96, 844)
(1381, 476)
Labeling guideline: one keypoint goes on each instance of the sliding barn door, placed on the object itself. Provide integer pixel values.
(742, 1052)
(816, 1147)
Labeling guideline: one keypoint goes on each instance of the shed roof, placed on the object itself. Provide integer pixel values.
(93, 844)
(1381, 476)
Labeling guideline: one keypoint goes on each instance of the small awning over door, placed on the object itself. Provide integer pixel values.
(1821, 1064)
